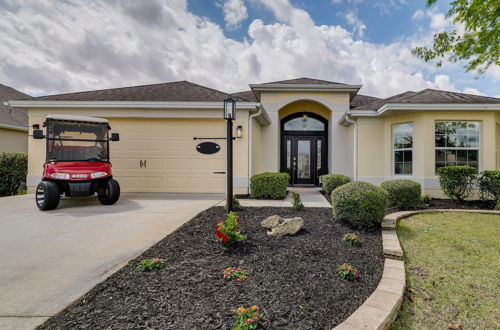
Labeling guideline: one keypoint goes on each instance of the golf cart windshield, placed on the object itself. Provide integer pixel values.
(77, 141)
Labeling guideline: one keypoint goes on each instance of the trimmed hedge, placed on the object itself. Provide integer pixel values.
(457, 181)
(269, 185)
(359, 203)
(13, 171)
(489, 184)
(403, 194)
(331, 181)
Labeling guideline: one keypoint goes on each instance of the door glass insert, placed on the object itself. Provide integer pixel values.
(289, 156)
(318, 154)
(303, 159)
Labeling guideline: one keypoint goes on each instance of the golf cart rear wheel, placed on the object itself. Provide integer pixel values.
(110, 193)
(47, 195)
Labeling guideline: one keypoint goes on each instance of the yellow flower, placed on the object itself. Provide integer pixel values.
(254, 308)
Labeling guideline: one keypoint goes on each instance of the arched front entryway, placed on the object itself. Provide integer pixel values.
(304, 147)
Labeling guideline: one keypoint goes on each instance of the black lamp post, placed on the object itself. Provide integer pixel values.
(229, 116)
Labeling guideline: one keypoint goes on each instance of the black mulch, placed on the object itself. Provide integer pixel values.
(292, 279)
(436, 203)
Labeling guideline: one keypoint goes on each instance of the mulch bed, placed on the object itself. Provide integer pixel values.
(436, 203)
(293, 279)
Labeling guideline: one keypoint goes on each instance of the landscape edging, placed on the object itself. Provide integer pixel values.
(382, 306)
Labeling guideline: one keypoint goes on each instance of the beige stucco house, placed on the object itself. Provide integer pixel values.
(303, 126)
(13, 122)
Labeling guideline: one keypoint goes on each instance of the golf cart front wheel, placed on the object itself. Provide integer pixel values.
(47, 195)
(110, 194)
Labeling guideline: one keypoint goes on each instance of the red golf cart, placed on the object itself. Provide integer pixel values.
(77, 160)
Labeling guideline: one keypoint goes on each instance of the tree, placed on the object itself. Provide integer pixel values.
(478, 43)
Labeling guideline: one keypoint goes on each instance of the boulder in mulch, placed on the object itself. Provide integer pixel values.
(277, 226)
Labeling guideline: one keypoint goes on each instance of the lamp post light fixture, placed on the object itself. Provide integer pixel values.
(229, 109)
(229, 116)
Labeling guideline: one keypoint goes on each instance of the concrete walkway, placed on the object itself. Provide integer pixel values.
(310, 196)
(49, 259)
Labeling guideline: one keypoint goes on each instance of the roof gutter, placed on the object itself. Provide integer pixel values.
(14, 127)
(260, 111)
(125, 104)
(355, 143)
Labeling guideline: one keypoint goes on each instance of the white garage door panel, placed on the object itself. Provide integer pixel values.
(172, 162)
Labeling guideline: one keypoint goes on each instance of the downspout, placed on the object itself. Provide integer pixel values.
(355, 138)
(250, 139)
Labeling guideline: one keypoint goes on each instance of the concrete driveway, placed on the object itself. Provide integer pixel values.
(49, 259)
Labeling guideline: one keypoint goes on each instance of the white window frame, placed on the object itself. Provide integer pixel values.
(478, 148)
(402, 149)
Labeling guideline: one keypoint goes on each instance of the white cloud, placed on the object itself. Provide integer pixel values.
(472, 90)
(438, 21)
(52, 47)
(419, 14)
(235, 12)
(358, 26)
(442, 81)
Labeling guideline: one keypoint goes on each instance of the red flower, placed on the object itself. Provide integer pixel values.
(238, 219)
(217, 227)
(219, 234)
(237, 228)
(224, 239)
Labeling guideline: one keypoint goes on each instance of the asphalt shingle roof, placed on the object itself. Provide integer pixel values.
(359, 100)
(12, 116)
(431, 96)
(303, 81)
(246, 95)
(179, 91)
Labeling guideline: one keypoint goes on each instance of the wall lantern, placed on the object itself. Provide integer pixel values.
(239, 131)
(229, 109)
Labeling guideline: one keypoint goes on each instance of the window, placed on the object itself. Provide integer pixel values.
(304, 123)
(402, 135)
(457, 143)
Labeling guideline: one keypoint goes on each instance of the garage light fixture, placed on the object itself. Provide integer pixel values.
(229, 109)
(239, 131)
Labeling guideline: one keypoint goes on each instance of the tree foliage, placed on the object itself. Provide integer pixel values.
(479, 42)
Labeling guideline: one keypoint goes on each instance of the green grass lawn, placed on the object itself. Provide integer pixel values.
(452, 270)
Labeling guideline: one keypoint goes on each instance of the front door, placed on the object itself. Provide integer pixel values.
(303, 147)
(303, 159)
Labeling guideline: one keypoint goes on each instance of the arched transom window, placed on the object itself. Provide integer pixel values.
(304, 123)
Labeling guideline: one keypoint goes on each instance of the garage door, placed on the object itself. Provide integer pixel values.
(159, 155)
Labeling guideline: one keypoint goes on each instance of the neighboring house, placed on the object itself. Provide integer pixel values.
(13, 122)
(302, 126)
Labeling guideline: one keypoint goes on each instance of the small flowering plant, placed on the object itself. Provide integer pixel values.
(235, 274)
(351, 238)
(150, 264)
(247, 318)
(228, 231)
(348, 272)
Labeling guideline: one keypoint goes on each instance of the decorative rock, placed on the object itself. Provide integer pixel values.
(277, 226)
(271, 222)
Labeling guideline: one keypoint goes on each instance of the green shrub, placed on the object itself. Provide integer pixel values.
(332, 181)
(236, 204)
(425, 198)
(457, 181)
(497, 206)
(360, 203)
(13, 171)
(269, 185)
(296, 202)
(489, 184)
(403, 194)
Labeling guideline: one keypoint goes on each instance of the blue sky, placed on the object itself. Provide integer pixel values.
(56, 46)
